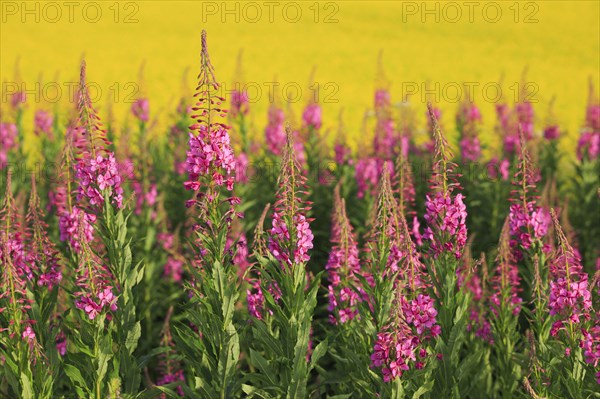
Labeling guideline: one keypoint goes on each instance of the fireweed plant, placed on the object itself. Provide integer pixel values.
(130, 272)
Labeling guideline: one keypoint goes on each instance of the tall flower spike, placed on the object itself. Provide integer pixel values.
(14, 270)
(446, 214)
(506, 280)
(210, 154)
(570, 298)
(386, 231)
(290, 235)
(42, 250)
(96, 170)
(343, 266)
(528, 222)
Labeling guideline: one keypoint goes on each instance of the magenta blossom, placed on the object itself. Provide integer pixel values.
(210, 154)
(312, 116)
(43, 122)
(141, 109)
(97, 176)
(69, 226)
(8, 141)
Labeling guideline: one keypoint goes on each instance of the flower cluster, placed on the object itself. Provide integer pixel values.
(141, 109)
(43, 122)
(97, 177)
(506, 281)
(470, 149)
(528, 222)
(210, 154)
(588, 146)
(8, 141)
(275, 131)
(570, 298)
(591, 348)
(93, 305)
(280, 234)
(239, 103)
(368, 172)
(446, 223)
(343, 267)
(290, 236)
(72, 224)
(312, 116)
(404, 340)
(446, 214)
(144, 197)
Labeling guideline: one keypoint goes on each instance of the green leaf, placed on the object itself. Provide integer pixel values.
(133, 336)
(26, 387)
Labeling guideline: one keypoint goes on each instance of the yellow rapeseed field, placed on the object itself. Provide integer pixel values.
(433, 46)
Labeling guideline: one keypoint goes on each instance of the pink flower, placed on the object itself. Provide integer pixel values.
(43, 122)
(470, 149)
(239, 103)
(551, 133)
(68, 224)
(210, 154)
(446, 219)
(312, 116)
(142, 198)
(174, 269)
(8, 141)
(275, 132)
(97, 177)
(588, 146)
(421, 313)
(141, 109)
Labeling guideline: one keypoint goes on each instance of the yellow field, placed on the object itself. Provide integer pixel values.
(342, 39)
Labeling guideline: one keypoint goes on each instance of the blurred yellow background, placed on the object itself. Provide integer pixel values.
(442, 43)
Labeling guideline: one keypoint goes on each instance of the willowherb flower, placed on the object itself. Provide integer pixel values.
(141, 109)
(311, 116)
(42, 251)
(497, 169)
(275, 130)
(368, 172)
(239, 103)
(588, 146)
(242, 164)
(470, 149)
(528, 222)
(15, 271)
(94, 293)
(96, 170)
(290, 237)
(97, 177)
(144, 196)
(525, 117)
(590, 343)
(210, 155)
(404, 340)
(256, 298)
(174, 268)
(506, 281)
(343, 267)
(570, 298)
(551, 132)
(8, 141)
(43, 121)
(446, 213)
(72, 224)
